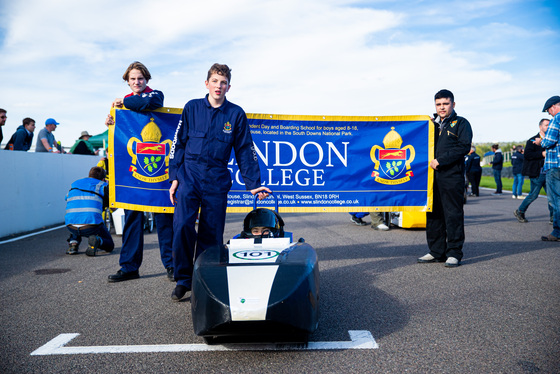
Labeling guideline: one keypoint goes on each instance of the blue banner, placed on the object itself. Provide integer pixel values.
(139, 146)
(312, 163)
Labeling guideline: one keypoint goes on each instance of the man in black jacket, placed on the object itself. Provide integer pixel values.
(532, 168)
(445, 229)
(497, 164)
(473, 171)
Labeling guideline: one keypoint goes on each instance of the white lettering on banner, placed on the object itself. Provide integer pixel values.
(278, 146)
(286, 176)
(294, 154)
(302, 154)
(301, 177)
(344, 159)
(261, 156)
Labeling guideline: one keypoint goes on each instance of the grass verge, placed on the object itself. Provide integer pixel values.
(507, 184)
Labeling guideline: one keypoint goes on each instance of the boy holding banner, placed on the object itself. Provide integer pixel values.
(208, 130)
(141, 98)
(445, 229)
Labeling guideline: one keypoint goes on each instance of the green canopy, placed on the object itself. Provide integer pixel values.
(97, 140)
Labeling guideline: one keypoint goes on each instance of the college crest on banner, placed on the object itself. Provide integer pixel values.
(312, 163)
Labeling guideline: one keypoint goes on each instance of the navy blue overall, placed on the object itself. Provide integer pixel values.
(199, 157)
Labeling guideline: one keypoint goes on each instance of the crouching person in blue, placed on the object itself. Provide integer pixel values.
(84, 206)
(208, 130)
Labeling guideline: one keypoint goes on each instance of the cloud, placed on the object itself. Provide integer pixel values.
(65, 60)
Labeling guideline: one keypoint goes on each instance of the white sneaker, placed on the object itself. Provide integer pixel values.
(426, 258)
(513, 197)
(451, 262)
(382, 227)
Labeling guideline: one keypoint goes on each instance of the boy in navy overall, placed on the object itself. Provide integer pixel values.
(208, 130)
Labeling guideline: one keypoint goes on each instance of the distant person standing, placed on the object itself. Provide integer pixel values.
(83, 146)
(473, 171)
(551, 144)
(532, 167)
(517, 168)
(445, 229)
(22, 139)
(3, 118)
(497, 165)
(45, 140)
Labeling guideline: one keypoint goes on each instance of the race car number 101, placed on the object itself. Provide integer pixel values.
(255, 255)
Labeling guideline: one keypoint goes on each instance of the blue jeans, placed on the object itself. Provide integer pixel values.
(517, 188)
(536, 185)
(376, 218)
(498, 179)
(553, 192)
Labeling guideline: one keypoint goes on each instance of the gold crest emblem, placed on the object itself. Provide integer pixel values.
(393, 161)
(149, 154)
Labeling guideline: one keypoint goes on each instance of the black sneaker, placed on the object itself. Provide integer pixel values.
(520, 216)
(94, 242)
(497, 193)
(358, 221)
(72, 249)
(179, 292)
(122, 276)
(170, 272)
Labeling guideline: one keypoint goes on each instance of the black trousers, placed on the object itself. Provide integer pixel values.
(474, 180)
(445, 229)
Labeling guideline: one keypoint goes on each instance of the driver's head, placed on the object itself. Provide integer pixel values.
(261, 223)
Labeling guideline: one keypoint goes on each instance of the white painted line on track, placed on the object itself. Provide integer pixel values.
(32, 234)
(361, 339)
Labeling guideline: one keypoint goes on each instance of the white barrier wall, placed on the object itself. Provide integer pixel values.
(33, 187)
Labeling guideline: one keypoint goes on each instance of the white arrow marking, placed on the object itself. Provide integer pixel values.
(361, 339)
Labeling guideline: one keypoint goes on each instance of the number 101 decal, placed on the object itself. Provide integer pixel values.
(255, 255)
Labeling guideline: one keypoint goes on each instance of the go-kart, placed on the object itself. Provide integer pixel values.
(256, 289)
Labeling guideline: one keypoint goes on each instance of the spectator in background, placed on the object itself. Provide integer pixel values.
(45, 140)
(22, 139)
(517, 168)
(473, 171)
(3, 118)
(83, 146)
(532, 167)
(497, 164)
(551, 145)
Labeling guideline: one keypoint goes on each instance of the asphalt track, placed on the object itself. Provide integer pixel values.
(497, 313)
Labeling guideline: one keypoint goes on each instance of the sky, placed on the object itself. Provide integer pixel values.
(65, 59)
